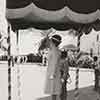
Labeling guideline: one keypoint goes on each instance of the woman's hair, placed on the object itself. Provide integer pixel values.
(56, 39)
(43, 44)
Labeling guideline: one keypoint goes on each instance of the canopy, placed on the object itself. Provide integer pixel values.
(59, 14)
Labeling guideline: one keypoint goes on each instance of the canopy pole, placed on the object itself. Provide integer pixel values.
(17, 35)
(77, 69)
(98, 44)
(91, 52)
(9, 63)
(18, 68)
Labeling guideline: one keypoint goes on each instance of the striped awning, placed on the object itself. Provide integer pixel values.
(59, 14)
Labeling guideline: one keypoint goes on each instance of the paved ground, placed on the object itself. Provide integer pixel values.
(32, 77)
(86, 93)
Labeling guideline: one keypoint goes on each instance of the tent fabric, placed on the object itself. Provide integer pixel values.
(60, 14)
(13, 4)
(33, 13)
(81, 6)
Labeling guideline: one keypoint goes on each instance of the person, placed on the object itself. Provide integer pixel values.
(53, 76)
(96, 72)
(64, 69)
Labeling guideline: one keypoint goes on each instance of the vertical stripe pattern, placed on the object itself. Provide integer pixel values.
(9, 64)
(18, 69)
(77, 69)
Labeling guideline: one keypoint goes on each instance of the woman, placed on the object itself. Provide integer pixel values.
(53, 82)
(53, 75)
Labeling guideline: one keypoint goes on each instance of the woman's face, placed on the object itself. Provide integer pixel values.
(51, 44)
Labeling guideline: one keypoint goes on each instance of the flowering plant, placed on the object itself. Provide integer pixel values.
(85, 61)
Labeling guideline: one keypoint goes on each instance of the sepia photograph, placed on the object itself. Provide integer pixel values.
(49, 50)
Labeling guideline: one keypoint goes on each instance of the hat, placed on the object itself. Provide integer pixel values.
(56, 38)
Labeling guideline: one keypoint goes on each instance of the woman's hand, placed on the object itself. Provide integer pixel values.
(62, 80)
(52, 76)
